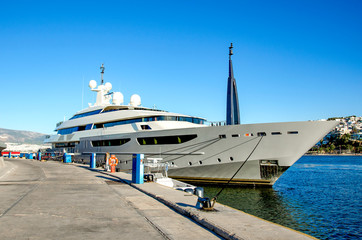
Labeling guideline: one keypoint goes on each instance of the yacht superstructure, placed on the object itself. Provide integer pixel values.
(194, 151)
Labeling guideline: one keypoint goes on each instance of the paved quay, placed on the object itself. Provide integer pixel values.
(51, 200)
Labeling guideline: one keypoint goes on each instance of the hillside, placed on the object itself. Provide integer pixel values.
(18, 136)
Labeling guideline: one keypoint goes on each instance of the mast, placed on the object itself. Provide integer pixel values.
(102, 72)
(232, 107)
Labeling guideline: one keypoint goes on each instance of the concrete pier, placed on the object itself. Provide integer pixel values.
(52, 200)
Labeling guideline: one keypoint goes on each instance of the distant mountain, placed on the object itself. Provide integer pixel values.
(17, 136)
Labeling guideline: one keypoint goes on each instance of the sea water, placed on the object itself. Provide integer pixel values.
(319, 195)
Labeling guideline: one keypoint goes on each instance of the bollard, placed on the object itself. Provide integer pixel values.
(189, 190)
(67, 158)
(9, 154)
(92, 163)
(199, 192)
(137, 168)
(39, 156)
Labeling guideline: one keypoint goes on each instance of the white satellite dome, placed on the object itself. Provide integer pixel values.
(117, 98)
(108, 86)
(135, 100)
(92, 84)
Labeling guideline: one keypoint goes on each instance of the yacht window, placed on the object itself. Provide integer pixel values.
(66, 144)
(86, 114)
(110, 142)
(276, 133)
(293, 132)
(145, 127)
(98, 125)
(67, 130)
(129, 121)
(235, 135)
(166, 139)
(81, 128)
(154, 118)
(222, 136)
(261, 134)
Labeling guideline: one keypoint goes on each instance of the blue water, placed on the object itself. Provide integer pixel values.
(318, 195)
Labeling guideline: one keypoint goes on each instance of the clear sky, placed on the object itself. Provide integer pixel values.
(293, 60)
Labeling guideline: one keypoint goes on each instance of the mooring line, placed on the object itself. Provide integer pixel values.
(217, 195)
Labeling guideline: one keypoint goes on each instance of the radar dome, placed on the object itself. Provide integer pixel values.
(135, 100)
(108, 86)
(92, 84)
(117, 98)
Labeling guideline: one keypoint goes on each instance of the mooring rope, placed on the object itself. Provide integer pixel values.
(217, 195)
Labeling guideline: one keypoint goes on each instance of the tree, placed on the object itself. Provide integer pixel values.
(332, 147)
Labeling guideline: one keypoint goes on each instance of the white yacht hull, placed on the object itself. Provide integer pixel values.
(217, 152)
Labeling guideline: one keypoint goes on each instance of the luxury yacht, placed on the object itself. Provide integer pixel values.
(193, 150)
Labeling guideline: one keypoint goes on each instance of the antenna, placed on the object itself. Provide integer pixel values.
(102, 72)
(230, 50)
(82, 90)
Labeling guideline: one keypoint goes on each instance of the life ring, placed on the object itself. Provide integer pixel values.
(113, 161)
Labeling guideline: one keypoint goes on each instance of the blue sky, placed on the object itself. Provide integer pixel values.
(293, 60)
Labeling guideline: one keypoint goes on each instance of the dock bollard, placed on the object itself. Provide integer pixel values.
(205, 203)
(92, 162)
(67, 158)
(199, 192)
(137, 168)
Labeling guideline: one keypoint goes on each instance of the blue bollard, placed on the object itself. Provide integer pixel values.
(92, 163)
(67, 158)
(137, 168)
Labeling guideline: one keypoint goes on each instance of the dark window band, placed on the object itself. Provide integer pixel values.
(110, 142)
(130, 121)
(165, 139)
(86, 114)
(66, 144)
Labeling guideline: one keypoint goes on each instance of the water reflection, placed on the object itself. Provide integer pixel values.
(264, 203)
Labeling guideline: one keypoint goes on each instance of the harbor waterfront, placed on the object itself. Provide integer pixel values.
(318, 195)
(54, 200)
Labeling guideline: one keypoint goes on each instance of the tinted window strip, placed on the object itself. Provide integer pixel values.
(276, 133)
(86, 114)
(160, 140)
(110, 142)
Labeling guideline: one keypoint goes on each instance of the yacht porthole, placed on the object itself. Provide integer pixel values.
(200, 162)
(190, 163)
(219, 160)
(231, 159)
(173, 163)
